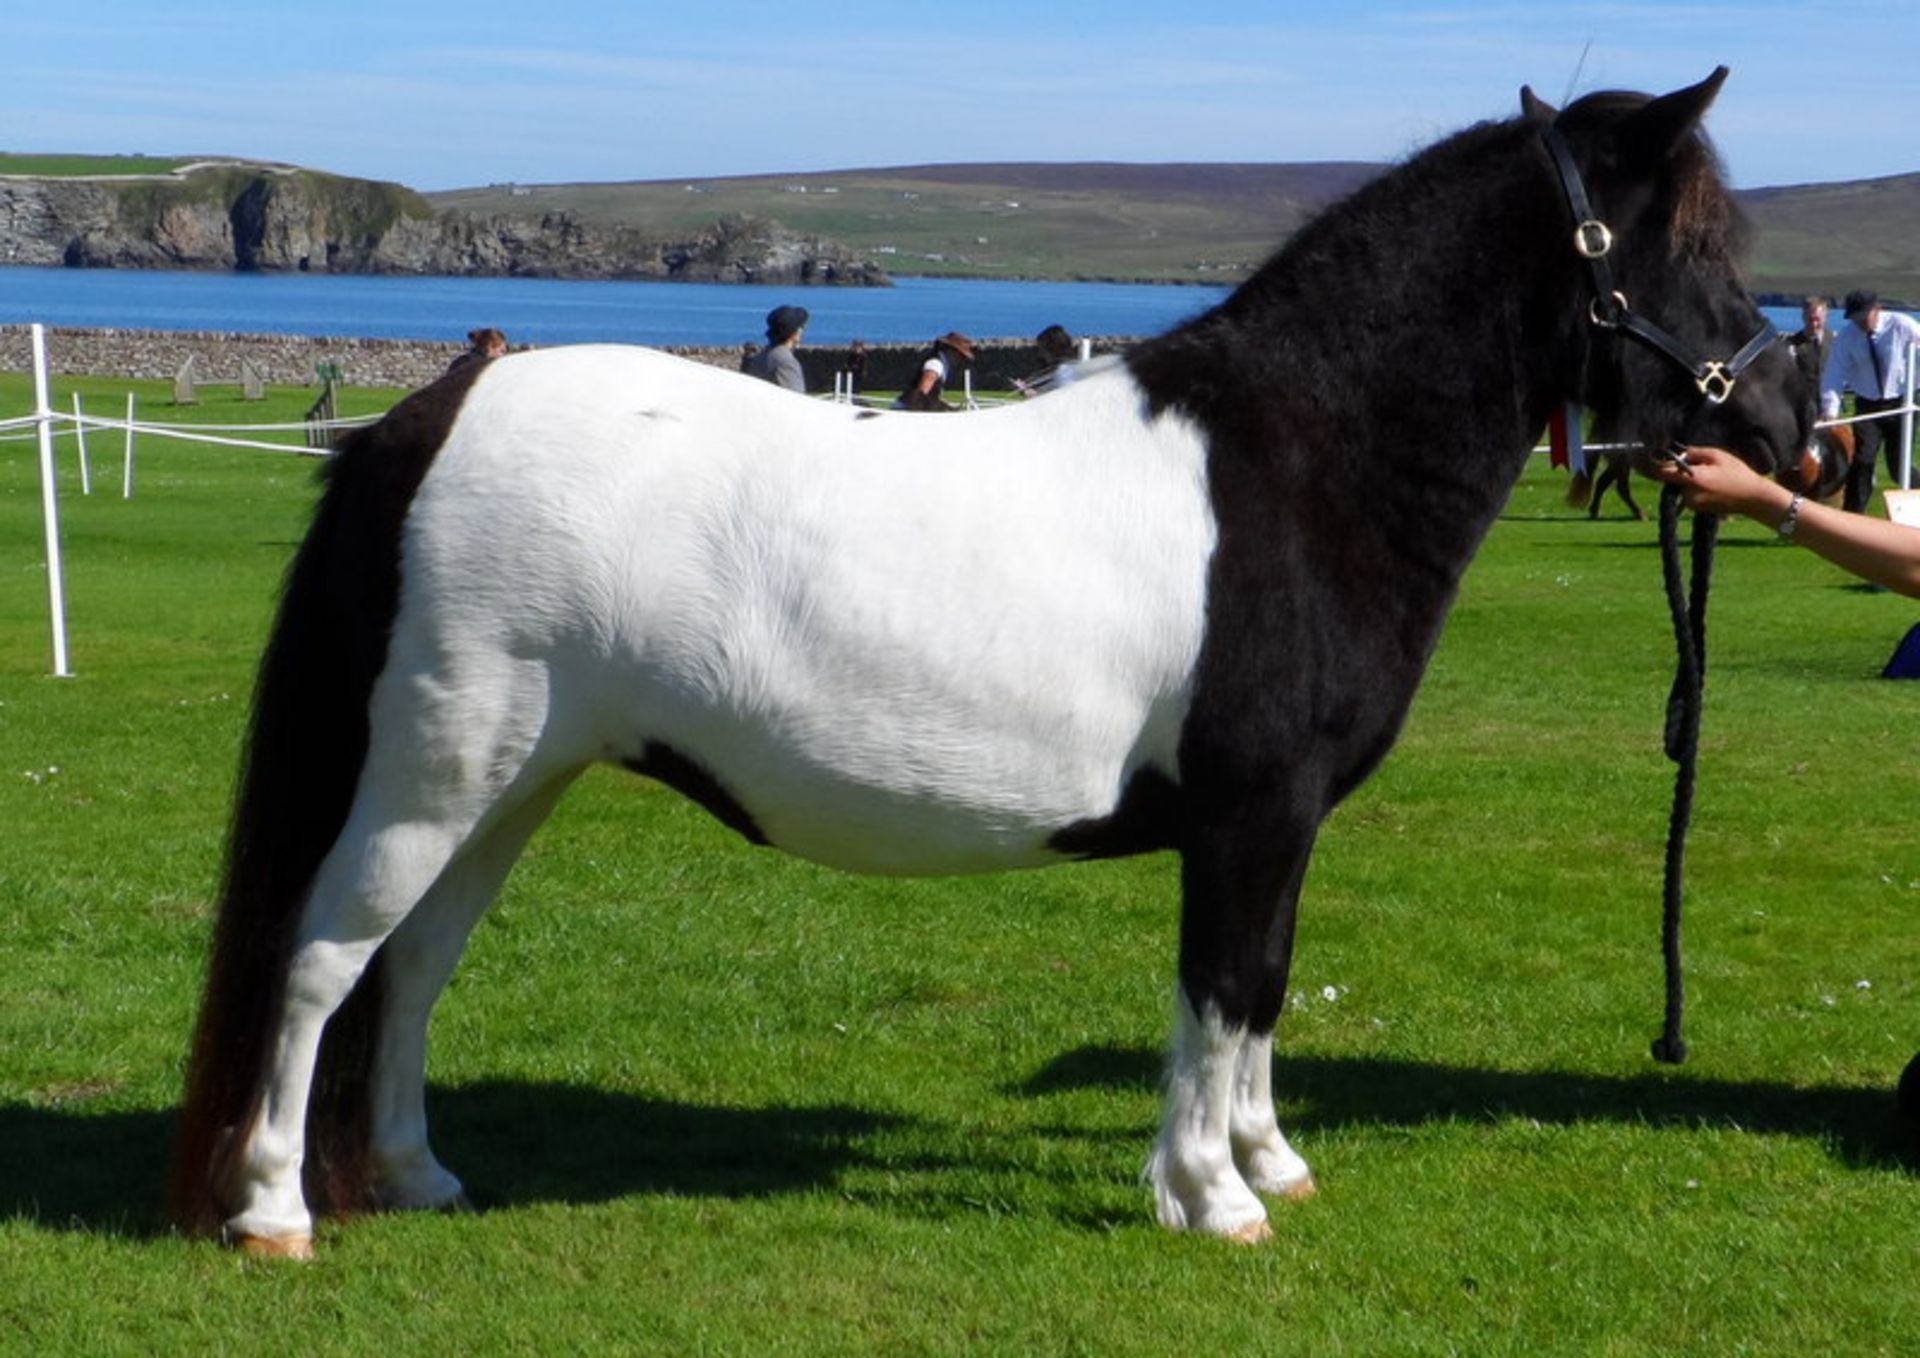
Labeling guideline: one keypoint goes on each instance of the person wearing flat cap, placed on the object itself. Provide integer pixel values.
(951, 354)
(777, 363)
(1869, 356)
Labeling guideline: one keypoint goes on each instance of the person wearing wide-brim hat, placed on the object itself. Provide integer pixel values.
(777, 363)
(952, 353)
(1869, 357)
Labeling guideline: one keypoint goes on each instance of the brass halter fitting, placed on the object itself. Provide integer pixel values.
(1592, 240)
(1715, 382)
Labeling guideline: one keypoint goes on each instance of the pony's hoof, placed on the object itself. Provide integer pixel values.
(1297, 1191)
(459, 1205)
(275, 1246)
(1253, 1233)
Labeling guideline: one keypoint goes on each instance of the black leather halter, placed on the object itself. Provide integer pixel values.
(1610, 310)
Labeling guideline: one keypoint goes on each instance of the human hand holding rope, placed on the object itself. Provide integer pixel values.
(1714, 481)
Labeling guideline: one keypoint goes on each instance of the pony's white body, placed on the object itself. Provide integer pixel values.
(900, 643)
(903, 644)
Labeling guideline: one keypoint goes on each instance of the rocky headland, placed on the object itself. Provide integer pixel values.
(233, 216)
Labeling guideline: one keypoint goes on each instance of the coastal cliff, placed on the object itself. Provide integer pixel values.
(227, 216)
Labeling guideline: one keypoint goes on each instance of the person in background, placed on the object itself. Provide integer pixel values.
(1810, 342)
(777, 363)
(1057, 349)
(1714, 481)
(485, 342)
(951, 355)
(856, 367)
(1868, 356)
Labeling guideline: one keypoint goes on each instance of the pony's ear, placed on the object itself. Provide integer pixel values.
(1654, 131)
(1535, 109)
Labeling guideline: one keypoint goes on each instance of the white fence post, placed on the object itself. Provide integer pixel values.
(50, 504)
(1906, 419)
(80, 442)
(126, 457)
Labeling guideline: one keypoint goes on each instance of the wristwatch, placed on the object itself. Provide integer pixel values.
(1788, 524)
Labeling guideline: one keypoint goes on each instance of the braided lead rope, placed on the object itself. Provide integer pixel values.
(1689, 611)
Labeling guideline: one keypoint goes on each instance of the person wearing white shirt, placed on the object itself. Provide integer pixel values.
(1869, 357)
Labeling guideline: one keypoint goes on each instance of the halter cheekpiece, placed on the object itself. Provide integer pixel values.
(1610, 310)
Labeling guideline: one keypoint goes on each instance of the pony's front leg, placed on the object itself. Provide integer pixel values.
(1260, 1150)
(1196, 1184)
(1219, 1138)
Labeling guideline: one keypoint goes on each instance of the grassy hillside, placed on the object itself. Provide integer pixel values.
(78, 166)
(1176, 223)
(1829, 238)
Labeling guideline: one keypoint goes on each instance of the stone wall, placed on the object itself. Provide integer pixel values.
(292, 360)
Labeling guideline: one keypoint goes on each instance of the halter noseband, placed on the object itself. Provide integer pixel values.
(1610, 310)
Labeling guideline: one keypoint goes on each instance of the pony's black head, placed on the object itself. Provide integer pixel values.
(1664, 315)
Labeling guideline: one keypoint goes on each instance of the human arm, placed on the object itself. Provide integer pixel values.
(1714, 481)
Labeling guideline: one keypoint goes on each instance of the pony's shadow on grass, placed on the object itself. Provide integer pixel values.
(1863, 1126)
(515, 1143)
(520, 1143)
(512, 1142)
(66, 1169)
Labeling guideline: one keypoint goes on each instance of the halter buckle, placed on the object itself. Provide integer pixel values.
(1592, 240)
(1715, 382)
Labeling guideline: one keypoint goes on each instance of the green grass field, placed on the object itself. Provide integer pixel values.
(67, 167)
(712, 1100)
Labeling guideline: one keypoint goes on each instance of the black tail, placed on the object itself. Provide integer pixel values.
(302, 762)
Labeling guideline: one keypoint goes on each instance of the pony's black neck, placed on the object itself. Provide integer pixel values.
(1434, 299)
(1394, 362)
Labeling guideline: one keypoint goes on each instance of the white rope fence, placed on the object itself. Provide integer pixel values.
(76, 426)
(46, 424)
(844, 394)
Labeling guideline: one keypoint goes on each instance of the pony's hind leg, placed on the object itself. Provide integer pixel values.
(437, 772)
(371, 877)
(419, 958)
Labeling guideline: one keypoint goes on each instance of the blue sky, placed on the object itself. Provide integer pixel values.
(483, 91)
